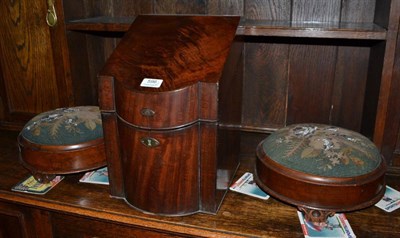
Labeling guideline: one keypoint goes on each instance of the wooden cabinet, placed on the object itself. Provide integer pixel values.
(34, 64)
(21, 221)
(331, 62)
(35, 67)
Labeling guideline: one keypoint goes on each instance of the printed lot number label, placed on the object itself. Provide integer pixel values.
(151, 83)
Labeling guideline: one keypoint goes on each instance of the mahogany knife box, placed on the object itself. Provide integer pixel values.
(170, 98)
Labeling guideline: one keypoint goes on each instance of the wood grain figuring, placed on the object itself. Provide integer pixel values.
(62, 63)
(43, 160)
(316, 11)
(208, 137)
(35, 63)
(170, 109)
(372, 88)
(311, 103)
(112, 150)
(392, 128)
(98, 50)
(161, 179)
(208, 93)
(276, 10)
(319, 192)
(358, 11)
(173, 157)
(27, 62)
(106, 94)
(269, 63)
(349, 86)
(130, 8)
(180, 7)
(225, 7)
(392, 23)
(79, 69)
(230, 86)
(266, 61)
(179, 57)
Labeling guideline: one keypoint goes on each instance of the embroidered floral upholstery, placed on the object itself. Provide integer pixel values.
(322, 150)
(65, 126)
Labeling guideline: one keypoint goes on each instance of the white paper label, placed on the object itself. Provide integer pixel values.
(151, 83)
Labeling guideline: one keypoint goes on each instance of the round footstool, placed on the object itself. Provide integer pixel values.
(62, 141)
(320, 169)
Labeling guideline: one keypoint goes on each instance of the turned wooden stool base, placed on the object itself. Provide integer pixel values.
(320, 169)
(62, 141)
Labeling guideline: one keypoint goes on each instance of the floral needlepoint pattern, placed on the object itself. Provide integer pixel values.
(65, 126)
(322, 150)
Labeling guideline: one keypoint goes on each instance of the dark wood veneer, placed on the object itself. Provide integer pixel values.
(47, 161)
(174, 158)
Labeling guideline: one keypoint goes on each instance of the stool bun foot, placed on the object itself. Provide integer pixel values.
(43, 178)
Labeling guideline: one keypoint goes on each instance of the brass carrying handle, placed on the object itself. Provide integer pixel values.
(51, 16)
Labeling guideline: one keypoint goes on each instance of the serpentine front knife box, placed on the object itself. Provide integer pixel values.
(170, 95)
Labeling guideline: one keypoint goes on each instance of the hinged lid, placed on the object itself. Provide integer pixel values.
(165, 53)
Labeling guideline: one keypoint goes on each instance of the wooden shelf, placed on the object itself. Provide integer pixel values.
(344, 30)
(94, 209)
(104, 23)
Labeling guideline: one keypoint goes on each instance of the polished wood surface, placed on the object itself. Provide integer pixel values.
(346, 52)
(171, 109)
(75, 209)
(161, 179)
(173, 154)
(45, 161)
(181, 50)
(338, 194)
(34, 74)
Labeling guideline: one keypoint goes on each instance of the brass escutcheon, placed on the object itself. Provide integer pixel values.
(147, 112)
(150, 142)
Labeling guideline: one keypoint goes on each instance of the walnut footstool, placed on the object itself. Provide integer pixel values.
(321, 169)
(62, 141)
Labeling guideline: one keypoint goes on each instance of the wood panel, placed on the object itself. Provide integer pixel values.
(265, 88)
(391, 148)
(268, 9)
(358, 11)
(20, 221)
(349, 86)
(27, 62)
(352, 70)
(72, 226)
(131, 8)
(180, 7)
(313, 102)
(312, 66)
(12, 224)
(266, 63)
(316, 10)
(225, 7)
(268, 108)
(79, 66)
